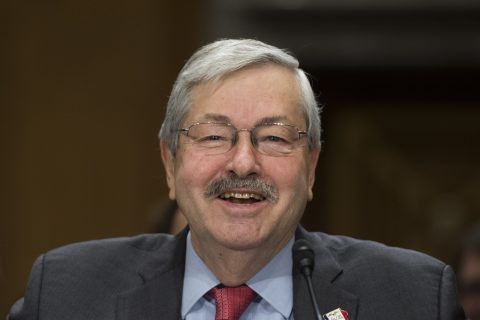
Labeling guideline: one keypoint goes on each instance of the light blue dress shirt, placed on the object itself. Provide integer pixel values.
(273, 284)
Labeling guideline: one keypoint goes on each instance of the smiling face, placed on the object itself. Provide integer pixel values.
(242, 199)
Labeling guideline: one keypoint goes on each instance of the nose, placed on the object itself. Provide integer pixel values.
(243, 161)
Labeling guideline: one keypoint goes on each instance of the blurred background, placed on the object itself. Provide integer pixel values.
(83, 87)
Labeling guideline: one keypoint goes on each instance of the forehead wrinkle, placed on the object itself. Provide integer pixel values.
(211, 87)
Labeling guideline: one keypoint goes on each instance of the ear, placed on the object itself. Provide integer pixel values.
(169, 163)
(312, 165)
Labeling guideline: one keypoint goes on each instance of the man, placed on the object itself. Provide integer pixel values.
(240, 143)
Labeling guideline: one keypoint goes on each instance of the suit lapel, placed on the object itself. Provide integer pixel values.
(326, 272)
(160, 295)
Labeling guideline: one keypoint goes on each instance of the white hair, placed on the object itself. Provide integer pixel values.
(221, 58)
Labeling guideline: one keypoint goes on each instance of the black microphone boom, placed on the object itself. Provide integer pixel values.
(304, 259)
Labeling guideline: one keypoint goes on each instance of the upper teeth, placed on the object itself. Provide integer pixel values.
(239, 195)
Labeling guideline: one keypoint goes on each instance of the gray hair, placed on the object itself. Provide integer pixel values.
(221, 58)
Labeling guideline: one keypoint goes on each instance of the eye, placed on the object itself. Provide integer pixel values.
(211, 138)
(274, 139)
(214, 138)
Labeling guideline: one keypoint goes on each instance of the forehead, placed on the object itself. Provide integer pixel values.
(249, 95)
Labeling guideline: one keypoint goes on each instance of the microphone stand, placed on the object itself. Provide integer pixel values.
(304, 259)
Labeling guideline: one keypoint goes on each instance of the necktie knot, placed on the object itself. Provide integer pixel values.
(231, 302)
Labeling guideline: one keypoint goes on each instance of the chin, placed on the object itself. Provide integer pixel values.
(241, 240)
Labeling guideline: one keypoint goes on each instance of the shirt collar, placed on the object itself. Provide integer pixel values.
(198, 279)
(273, 282)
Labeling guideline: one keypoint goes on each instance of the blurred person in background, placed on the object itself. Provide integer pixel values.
(469, 274)
(167, 218)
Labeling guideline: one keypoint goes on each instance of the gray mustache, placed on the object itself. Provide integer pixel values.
(253, 183)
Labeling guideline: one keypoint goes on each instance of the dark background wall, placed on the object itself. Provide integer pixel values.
(399, 80)
(83, 89)
(83, 86)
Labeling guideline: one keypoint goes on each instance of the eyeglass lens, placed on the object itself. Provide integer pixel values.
(269, 139)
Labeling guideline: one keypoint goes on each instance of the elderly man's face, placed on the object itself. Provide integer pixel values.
(244, 99)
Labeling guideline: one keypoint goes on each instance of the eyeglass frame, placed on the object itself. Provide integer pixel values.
(301, 133)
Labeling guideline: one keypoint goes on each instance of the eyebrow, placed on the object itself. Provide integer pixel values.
(216, 118)
(274, 119)
(221, 118)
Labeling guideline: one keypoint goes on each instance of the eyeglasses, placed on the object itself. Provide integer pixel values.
(274, 139)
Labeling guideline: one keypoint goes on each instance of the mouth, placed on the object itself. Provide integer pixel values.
(237, 190)
(241, 197)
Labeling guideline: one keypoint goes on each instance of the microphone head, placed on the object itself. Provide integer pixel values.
(303, 257)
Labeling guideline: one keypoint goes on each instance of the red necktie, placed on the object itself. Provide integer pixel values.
(231, 302)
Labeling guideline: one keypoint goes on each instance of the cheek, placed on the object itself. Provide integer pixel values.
(288, 173)
(194, 171)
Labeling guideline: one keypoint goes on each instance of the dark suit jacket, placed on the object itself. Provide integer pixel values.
(142, 278)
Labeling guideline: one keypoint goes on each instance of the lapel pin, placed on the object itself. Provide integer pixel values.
(337, 314)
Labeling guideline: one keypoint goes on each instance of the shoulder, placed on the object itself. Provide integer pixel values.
(87, 276)
(107, 258)
(352, 252)
(379, 275)
(137, 245)
(106, 251)
(370, 267)
(125, 252)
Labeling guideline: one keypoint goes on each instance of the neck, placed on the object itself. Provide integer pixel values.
(235, 267)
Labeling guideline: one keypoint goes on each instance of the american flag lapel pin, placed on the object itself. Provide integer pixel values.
(337, 314)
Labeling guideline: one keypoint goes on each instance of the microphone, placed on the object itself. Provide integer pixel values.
(304, 259)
